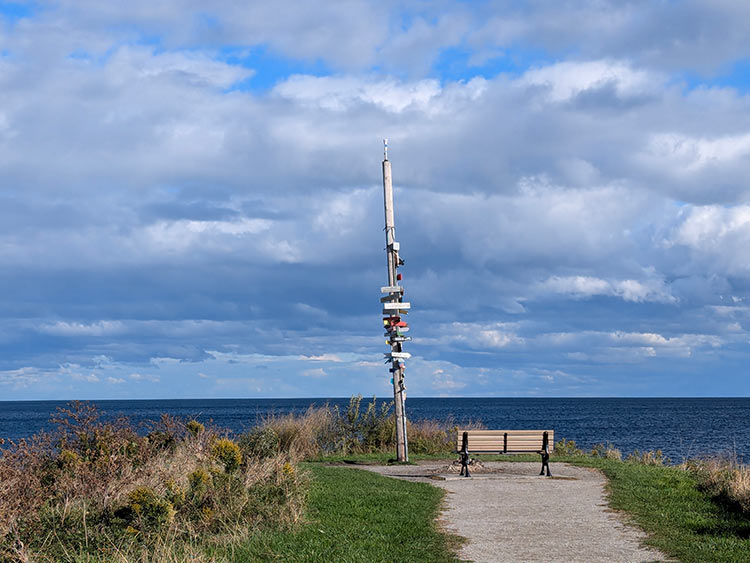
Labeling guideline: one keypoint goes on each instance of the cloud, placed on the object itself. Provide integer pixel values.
(717, 236)
(628, 290)
(149, 378)
(323, 358)
(101, 328)
(341, 93)
(191, 190)
(566, 80)
(315, 372)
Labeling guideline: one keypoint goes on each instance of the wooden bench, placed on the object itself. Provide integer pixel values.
(504, 442)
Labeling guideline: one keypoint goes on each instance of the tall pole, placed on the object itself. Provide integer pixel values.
(393, 308)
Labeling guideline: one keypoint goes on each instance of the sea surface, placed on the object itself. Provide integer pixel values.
(682, 428)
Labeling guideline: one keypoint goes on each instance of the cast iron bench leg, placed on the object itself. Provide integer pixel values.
(465, 464)
(545, 463)
(465, 455)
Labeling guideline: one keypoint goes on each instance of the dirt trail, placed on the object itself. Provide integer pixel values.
(512, 514)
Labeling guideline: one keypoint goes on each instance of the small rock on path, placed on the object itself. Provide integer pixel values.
(513, 514)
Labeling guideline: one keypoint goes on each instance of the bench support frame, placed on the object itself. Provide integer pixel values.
(545, 455)
(464, 453)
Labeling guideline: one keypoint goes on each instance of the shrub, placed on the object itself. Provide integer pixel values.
(431, 437)
(194, 427)
(261, 442)
(228, 454)
(373, 430)
(98, 490)
(146, 509)
(566, 448)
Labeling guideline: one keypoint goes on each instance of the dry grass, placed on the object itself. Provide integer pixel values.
(725, 479)
(99, 490)
(651, 457)
(358, 429)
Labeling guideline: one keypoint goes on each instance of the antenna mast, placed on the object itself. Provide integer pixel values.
(394, 308)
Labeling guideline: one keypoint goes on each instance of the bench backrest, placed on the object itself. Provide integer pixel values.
(506, 441)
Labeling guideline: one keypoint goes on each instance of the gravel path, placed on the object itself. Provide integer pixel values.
(512, 514)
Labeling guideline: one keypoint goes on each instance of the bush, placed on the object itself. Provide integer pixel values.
(431, 437)
(371, 431)
(100, 490)
(145, 510)
(228, 453)
(261, 442)
(194, 427)
(566, 448)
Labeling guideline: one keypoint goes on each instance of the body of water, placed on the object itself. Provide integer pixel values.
(680, 427)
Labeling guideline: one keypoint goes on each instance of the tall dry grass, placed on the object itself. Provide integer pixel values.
(100, 490)
(726, 479)
(358, 428)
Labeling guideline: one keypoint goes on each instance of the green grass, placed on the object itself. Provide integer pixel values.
(356, 515)
(680, 520)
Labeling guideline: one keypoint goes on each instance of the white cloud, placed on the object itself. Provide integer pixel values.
(477, 335)
(565, 80)
(145, 377)
(154, 205)
(101, 328)
(629, 290)
(315, 372)
(323, 358)
(718, 236)
(687, 154)
(340, 93)
(446, 381)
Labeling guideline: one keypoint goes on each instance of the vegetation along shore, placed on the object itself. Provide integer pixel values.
(100, 490)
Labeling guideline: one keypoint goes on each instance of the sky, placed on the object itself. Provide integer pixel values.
(191, 197)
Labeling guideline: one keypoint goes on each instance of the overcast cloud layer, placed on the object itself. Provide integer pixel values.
(191, 199)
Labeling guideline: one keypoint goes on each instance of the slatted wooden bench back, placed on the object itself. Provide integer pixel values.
(506, 441)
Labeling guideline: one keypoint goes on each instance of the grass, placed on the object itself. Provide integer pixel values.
(680, 519)
(355, 516)
(95, 490)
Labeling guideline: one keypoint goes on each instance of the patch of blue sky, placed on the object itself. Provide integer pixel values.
(736, 76)
(270, 67)
(14, 11)
(461, 63)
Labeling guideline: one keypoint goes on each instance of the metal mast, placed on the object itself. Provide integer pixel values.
(393, 309)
